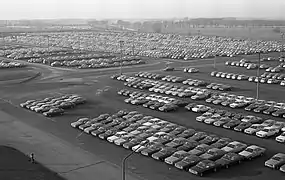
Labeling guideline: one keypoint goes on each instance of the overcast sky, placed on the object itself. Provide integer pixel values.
(127, 9)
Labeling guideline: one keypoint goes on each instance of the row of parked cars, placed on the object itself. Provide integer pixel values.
(187, 149)
(247, 65)
(247, 124)
(225, 119)
(154, 44)
(190, 82)
(54, 106)
(270, 79)
(10, 64)
(78, 59)
(29, 52)
(224, 99)
(152, 101)
(87, 64)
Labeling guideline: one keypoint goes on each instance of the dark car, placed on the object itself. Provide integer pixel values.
(164, 139)
(147, 133)
(176, 142)
(149, 103)
(122, 125)
(203, 167)
(252, 107)
(190, 106)
(231, 124)
(213, 154)
(261, 108)
(156, 105)
(200, 149)
(187, 133)
(164, 153)
(209, 139)
(188, 145)
(131, 127)
(54, 112)
(270, 110)
(238, 116)
(187, 162)
(152, 149)
(229, 159)
(168, 108)
(221, 143)
(180, 103)
(198, 136)
(108, 133)
(100, 130)
(279, 113)
(169, 128)
(177, 130)
(133, 142)
(242, 126)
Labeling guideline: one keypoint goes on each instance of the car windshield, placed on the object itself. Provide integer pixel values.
(249, 150)
(201, 148)
(202, 165)
(231, 146)
(276, 158)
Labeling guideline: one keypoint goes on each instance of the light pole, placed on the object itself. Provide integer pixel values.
(126, 158)
(133, 48)
(258, 78)
(282, 45)
(121, 55)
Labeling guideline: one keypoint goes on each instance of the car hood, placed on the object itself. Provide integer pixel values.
(197, 169)
(206, 156)
(171, 144)
(227, 149)
(261, 132)
(272, 162)
(194, 151)
(171, 159)
(245, 153)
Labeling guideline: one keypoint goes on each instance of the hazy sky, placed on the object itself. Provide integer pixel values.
(37, 9)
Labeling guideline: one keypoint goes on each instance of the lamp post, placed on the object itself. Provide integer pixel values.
(282, 45)
(258, 78)
(121, 55)
(126, 158)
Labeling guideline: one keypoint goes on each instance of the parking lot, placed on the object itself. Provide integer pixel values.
(101, 95)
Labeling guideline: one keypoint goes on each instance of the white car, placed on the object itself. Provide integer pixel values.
(281, 138)
(204, 116)
(116, 136)
(199, 108)
(213, 119)
(156, 136)
(252, 151)
(267, 132)
(253, 128)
